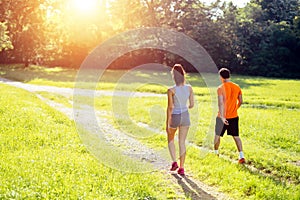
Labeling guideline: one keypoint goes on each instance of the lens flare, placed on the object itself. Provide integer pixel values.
(85, 6)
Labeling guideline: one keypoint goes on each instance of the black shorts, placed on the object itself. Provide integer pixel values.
(232, 128)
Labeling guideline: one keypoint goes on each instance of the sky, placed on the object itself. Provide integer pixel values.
(239, 3)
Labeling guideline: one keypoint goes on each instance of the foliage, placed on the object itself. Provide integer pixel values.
(5, 42)
(25, 25)
(262, 38)
(280, 10)
(267, 44)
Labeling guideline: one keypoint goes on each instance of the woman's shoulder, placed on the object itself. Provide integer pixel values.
(172, 87)
(188, 86)
(171, 90)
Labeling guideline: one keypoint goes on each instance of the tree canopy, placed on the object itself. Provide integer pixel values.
(262, 38)
(5, 42)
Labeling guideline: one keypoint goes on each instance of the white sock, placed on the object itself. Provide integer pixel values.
(217, 152)
(241, 154)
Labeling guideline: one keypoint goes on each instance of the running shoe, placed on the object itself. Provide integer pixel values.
(242, 161)
(180, 171)
(174, 166)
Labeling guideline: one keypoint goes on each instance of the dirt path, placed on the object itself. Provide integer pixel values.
(187, 186)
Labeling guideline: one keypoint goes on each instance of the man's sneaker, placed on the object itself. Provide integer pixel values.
(174, 166)
(242, 161)
(180, 171)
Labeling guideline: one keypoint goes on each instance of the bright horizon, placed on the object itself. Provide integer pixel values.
(88, 6)
(239, 3)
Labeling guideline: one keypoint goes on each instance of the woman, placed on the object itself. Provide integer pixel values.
(178, 115)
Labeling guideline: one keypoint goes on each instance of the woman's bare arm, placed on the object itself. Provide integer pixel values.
(191, 97)
(169, 108)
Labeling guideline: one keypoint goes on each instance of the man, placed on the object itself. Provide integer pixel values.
(229, 100)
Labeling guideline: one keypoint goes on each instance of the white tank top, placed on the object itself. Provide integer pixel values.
(182, 94)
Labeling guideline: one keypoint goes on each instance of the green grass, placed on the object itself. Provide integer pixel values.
(42, 157)
(56, 97)
(267, 92)
(238, 181)
(268, 125)
(272, 146)
(269, 131)
(258, 91)
(39, 75)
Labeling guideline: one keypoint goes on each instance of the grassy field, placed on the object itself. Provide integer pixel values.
(42, 157)
(271, 147)
(268, 123)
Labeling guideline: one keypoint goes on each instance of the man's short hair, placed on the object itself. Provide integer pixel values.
(224, 73)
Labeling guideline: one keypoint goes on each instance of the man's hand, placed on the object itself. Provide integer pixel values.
(224, 120)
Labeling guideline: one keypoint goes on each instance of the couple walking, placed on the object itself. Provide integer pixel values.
(229, 100)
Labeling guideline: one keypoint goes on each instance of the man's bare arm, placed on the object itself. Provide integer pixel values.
(222, 109)
(240, 100)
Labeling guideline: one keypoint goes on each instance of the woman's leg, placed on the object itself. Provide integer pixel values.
(171, 144)
(183, 130)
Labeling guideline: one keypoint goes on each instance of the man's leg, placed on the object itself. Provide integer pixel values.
(220, 129)
(234, 131)
(238, 143)
(217, 142)
(239, 146)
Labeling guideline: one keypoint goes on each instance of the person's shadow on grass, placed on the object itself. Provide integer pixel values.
(191, 189)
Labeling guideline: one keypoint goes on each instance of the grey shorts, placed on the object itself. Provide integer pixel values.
(182, 119)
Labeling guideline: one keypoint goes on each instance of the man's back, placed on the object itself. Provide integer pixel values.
(230, 93)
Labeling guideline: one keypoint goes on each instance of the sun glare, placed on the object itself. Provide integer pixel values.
(85, 5)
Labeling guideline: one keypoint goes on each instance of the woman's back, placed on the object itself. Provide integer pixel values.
(180, 98)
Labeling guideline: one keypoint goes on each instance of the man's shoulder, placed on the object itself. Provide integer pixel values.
(236, 88)
(235, 84)
(220, 89)
(223, 85)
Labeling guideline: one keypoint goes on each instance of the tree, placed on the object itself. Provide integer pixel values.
(260, 39)
(24, 22)
(47, 32)
(5, 43)
(267, 46)
(280, 10)
(222, 45)
(73, 34)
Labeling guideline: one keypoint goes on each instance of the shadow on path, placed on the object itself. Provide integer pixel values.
(191, 189)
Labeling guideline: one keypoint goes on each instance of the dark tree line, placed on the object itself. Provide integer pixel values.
(262, 38)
